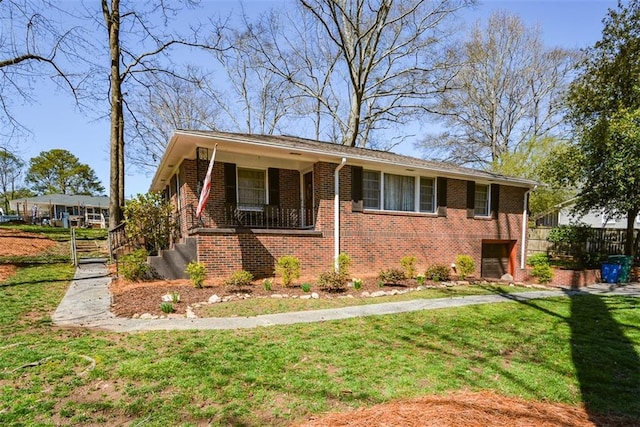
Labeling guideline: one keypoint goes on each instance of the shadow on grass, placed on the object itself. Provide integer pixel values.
(606, 362)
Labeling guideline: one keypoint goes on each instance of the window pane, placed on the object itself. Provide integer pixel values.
(427, 195)
(481, 200)
(251, 187)
(371, 190)
(399, 193)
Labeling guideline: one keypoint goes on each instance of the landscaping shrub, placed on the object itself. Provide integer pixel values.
(167, 307)
(305, 287)
(392, 275)
(332, 281)
(239, 279)
(543, 272)
(289, 267)
(344, 261)
(438, 272)
(465, 265)
(357, 284)
(409, 262)
(541, 269)
(134, 265)
(539, 258)
(197, 273)
(149, 217)
(268, 284)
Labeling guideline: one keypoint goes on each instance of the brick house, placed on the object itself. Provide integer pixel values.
(274, 195)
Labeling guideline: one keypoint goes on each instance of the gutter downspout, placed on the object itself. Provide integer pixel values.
(525, 208)
(336, 213)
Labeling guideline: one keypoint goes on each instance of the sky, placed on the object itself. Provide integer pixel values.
(55, 122)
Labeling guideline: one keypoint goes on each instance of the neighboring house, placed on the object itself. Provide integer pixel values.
(277, 195)
(65, 210)
(561, 215)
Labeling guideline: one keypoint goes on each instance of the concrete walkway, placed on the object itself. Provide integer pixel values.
(87, 304)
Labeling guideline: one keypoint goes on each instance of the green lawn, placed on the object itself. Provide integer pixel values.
(580, 350)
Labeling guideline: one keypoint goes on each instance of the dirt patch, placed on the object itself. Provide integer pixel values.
(466, 409)
(16, 243)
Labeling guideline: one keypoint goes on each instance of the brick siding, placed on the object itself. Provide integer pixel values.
(374, 240)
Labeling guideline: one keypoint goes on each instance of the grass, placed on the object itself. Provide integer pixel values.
(256, 306)
(578, 350)
(61, 234)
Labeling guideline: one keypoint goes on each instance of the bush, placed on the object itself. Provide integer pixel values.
(149, 218)
(289, 267)
(409, 262)
(305, 287)
(268, 284)
(438, 272)
(420, 279)
(357, 284)
(344, 261)
(167, 307)
(239, 279)
(332, 281)
(538, 259)
(392, 275)
(465, 265)
(543, 272)
(197, 273)
(134, 265)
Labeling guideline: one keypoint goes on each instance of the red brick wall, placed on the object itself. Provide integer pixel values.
(373, 240)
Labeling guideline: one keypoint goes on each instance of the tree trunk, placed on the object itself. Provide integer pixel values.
(112, 20)
(629, 242)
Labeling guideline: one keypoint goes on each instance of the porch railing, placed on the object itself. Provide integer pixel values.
(265, 217)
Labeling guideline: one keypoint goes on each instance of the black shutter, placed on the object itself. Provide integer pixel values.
(230, 183)
(471, 199)
(357, 175)
(495, 200)
(274, 187)
(441, 188)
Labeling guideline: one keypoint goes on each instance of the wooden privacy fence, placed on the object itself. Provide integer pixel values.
(604, 241)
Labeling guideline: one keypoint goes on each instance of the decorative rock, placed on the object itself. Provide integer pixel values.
(315, 295)
(167, 298)
(507, 277)
(277, 296)
(191, 314)
(147, 316)
(365, 294)
(378, 294)
(214, 299)
(305, 296)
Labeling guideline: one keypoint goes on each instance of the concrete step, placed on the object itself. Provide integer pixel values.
(170, 264)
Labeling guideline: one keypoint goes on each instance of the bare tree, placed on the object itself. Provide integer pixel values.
(168, 103)
(363, 65)
(32, 46)
(507, 93)
(11, 167)
(140, 39)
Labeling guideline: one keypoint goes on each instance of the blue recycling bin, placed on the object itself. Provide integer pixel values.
(610, 272)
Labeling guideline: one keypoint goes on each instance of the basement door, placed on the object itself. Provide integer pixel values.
(495, 259)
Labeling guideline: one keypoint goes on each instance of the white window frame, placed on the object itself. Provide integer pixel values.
(252, 207)
(416, 192)
(487, 202)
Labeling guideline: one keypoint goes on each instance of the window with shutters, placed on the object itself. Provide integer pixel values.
(252, 193)
(481, 200)
(403, 193)
(371, 190)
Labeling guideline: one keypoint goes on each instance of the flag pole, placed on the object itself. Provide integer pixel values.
(204, 193)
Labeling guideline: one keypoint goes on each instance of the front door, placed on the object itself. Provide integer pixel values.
(307, 198)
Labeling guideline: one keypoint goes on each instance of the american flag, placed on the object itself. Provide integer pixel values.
(204, 194)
